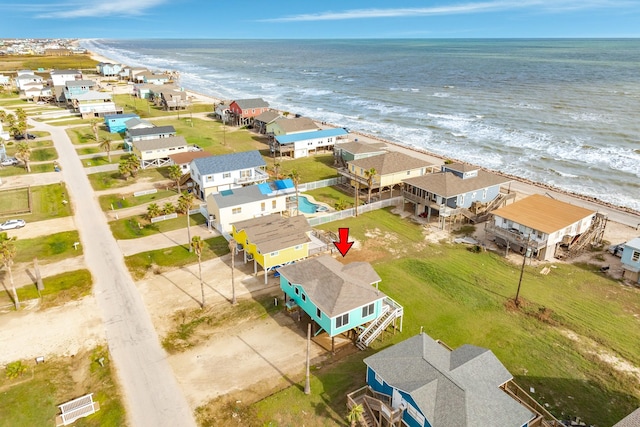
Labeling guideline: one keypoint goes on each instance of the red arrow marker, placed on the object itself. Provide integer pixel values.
(342, 245)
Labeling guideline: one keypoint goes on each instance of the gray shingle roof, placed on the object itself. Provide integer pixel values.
(389, 163)
(248, 194)
(267, 116)
(459, 388)
(299, 124)
(448, 184)
(356, 147)
(274, 233)
(631, 420)
(159, 143)
(157, 130)
(79, 83)
(229, 162)
(251, 103)
(333, 287)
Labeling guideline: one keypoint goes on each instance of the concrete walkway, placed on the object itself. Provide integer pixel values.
(151, 393)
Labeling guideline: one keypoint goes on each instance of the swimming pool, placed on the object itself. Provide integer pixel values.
(305, 205)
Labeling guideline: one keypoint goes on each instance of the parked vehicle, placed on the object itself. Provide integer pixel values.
(617, 249)
(20, 137)
(9, 161)
(12, 223)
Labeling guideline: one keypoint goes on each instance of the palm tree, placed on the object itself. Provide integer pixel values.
(94, 128)
(175, 173)
(105, 145)
(197, 244)
(185, 202)
(276, 166)
(7, 254)
(133, 163)
(340, 205)
(232, 247)
(168, 208)
(23, 152)
(370, 175)
(355, 414)
(153, 210)
(357, 201)
(123, 168)
(295, 177)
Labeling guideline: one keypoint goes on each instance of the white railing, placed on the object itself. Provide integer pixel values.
(348, 213)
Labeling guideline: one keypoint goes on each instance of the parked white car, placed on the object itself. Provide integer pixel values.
(12, 223)
(9, 161)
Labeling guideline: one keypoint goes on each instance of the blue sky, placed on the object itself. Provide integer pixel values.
(318, 19)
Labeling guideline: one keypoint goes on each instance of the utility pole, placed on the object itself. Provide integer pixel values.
(527, 252)
(307, 384)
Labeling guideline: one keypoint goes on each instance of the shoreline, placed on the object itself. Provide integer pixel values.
(432, 156)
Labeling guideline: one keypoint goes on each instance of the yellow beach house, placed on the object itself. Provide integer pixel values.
(272, 241)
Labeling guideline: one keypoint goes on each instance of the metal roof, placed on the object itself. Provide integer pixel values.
(543, 213)
(157, 130)
(289, 139)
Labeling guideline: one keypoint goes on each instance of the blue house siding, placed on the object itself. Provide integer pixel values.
(384, 388)
(115, 123)
(326, 323)
(482, 196)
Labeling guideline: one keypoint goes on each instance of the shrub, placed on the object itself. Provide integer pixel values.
(15, 369)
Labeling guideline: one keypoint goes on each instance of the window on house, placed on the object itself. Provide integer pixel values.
(342, 320)
(209, 178)
(297, 247)
(273, 204)
(309, 143)
(263, 206)
(367, 310)
(378, 378)
(473, 195)
(297, 290)
(353, 168)
(289, 283)
(304, 297)
(275, 253)
(408, 172)
(484, 194)
(635, 256)
(236, 211)
(318, 313)
(245, 173)
(226, 175)
(461, 200)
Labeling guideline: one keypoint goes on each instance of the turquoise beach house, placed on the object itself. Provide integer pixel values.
(420, 382)
(339, 298)
(116, 122)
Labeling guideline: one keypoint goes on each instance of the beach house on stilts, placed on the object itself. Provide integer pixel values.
(340, 299)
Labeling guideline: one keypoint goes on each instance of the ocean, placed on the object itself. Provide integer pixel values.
(562, 112)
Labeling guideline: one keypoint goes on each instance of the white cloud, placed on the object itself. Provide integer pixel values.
(456, 9)
(97, 8)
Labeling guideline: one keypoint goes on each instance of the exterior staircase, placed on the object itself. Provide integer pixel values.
(391, 310)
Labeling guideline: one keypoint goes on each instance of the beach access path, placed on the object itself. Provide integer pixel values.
(152, 395)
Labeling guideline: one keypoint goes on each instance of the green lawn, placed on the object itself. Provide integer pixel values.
(174, 257)
(20, 170)
(127, 228)
(103, 159)
(47, 202)
(44, 154)
(104, 180)
(146, 109)
(331, 195)
(121, 201)
(98, 150)
(58, 289)
(32, 399)
(464, 297)
(69, 122)
(12, 200)
(84, 134)
(51, 248)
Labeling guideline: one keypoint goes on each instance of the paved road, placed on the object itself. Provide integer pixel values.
(151, 393)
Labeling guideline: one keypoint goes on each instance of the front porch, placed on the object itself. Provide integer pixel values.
(377, 409)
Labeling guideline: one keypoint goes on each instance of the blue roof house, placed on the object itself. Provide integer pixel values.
(304, 144)
(217, 173)
(116, 122)
(340, 297)
(420, 382)
(631, 260)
